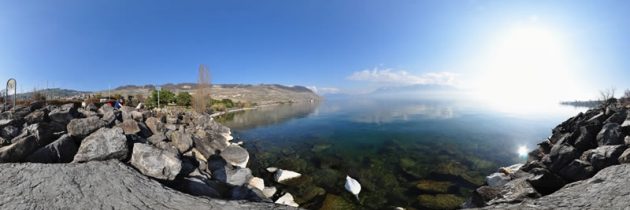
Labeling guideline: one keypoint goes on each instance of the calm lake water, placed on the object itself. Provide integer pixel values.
(417, 154)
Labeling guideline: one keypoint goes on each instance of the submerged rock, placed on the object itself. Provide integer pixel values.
(441, 201)
(284, 175)
(432, 186)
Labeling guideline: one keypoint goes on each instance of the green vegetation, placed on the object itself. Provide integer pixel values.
(225, 104)
(184, 99)
(166, 97)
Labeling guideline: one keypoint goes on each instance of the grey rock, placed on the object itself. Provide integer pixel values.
(129, 127)
(145, 132)
(484, 194)
(154, 162)
(603, 156)
(610, 135)
(63, 114)
(126, 112)
(137, 116)
(61, 150)
(104, 144)
(235, 155)
(182, 141)
(515, 191)
(617, 117)
(625, 156)
(497, 179)
(238, 176)
(36, 116)
(80, 128)
(208, 142)
(98, 185)
(157, 138)
(155, 125)
(86, 113)
(608, 189)
(197, 187)
(544, 181)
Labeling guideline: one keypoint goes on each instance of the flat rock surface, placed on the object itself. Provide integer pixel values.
(608, 189)
(101, 185)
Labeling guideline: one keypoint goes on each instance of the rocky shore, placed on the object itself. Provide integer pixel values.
(576, 167)
(99, 157)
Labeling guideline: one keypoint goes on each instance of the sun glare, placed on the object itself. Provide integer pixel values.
(522, 151)
(526, 66)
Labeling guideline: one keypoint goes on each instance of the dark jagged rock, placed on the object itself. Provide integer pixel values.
(80, 128)
(104, 144)
(36, 116)
(515, 191)
(610, 135)
(603, 156)
(587, 139)
(560, 155)
(9, 132)
(98, 185)
(608, 189)
(63, 114)
(544, 181)
(61, 150)
(33, 137)
(154, 162)
(577, 170)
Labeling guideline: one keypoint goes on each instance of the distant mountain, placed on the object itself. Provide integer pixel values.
(55, 93)
(260, 94)
(413, 89)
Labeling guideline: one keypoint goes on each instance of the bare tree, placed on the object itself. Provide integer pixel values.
(626, 94)
(202, 94)
(607, 93)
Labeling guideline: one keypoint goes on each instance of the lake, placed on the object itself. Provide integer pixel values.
(422, 154)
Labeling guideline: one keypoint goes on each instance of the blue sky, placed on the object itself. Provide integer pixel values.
(352, 46)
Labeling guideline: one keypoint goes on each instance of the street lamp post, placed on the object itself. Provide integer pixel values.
(158, 93)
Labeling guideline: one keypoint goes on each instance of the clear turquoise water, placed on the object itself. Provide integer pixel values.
(390, 146)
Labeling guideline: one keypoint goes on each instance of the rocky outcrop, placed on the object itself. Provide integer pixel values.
(98, 185)
(83, 127)
(608, 189)
(552, 177)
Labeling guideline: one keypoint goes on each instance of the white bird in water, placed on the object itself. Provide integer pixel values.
(353, 186)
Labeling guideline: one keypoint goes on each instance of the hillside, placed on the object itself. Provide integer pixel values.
(261, 94)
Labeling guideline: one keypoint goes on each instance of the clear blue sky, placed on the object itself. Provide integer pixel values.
(349, 45)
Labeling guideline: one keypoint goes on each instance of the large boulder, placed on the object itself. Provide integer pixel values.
(544, 181)
(155, 125)
(130, 127)
(603, 156)
(80, 128)
(515, 191)
(110, 116)
(236, 156)
(63, 114)
(98, 184)
(182, 141)
(208, 142)
(610, 135)
(577, 170)
(61, 150)
(36, 116)
(154, 162)
(9, 132)
(560, 156)
(104, 144)
(238, 176)
(587, 139)
(32, 138)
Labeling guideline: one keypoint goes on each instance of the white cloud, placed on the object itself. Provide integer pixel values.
(404, 77)
(324, 90)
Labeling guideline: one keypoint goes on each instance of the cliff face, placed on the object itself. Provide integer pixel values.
(97, 185)
(558, 173)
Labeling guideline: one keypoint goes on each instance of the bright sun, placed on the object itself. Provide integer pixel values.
(526, 65)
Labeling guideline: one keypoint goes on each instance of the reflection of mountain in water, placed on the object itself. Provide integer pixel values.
(266, 115)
